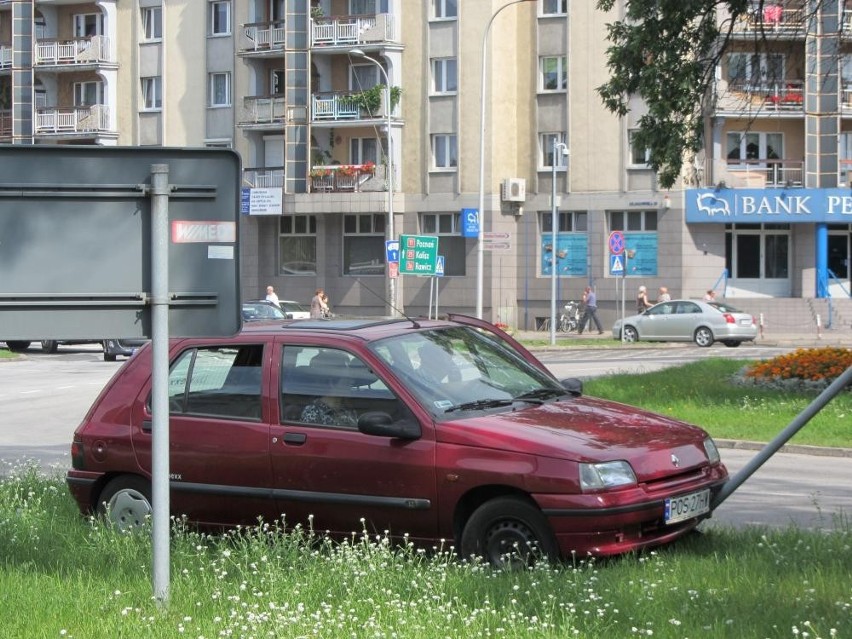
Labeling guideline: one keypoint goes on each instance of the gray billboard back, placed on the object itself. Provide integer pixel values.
(75, 241)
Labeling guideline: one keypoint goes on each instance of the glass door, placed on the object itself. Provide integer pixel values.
(839, 250)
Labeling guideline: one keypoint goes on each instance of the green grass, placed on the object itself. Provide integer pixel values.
(64, 576)
(702, 393)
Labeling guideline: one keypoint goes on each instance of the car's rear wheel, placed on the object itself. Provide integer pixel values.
(508, 532)
(732, 343)
(631, 334)
(18, 346)
(704, 336)
(49, 345)
(126, 502)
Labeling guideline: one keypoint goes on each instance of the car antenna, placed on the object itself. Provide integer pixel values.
(381, 297)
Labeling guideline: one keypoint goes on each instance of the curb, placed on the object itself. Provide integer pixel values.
(799, 449)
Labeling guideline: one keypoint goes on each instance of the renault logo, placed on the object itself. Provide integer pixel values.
(675, 461)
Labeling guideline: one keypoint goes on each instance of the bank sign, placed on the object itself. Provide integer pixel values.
(768, 206)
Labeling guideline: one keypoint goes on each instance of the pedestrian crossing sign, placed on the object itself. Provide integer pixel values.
(616, 265)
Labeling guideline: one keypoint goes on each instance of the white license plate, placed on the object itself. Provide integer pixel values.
(687, 506)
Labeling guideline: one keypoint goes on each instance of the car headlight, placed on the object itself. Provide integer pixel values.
(712, 451)
(606, 475)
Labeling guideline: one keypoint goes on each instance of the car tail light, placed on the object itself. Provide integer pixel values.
(77, 456)
(729, 318)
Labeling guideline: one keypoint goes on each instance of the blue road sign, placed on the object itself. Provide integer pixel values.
(470, 222)
(439, 266)
(616, 265)
(392, 250)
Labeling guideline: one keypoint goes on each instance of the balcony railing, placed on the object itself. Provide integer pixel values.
(263, 110)
(759, 173)
(93, 119)
(353, 30)
(780, 96)
(263, 36)
(335, 178)
(94, 50)
(266, 177)
(778, 17)
(6, 123)
(5, 56)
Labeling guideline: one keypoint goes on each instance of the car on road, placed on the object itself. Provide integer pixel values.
(112, 347)
(428, 429)
(294, 310)
(688, 321)
(261, 310)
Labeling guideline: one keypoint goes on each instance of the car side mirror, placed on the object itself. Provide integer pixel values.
(381, 424)
(573, 385)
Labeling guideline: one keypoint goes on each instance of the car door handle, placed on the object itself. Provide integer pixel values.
(295, 439)
(147, 426)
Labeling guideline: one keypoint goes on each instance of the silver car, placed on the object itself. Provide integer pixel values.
(688, 320)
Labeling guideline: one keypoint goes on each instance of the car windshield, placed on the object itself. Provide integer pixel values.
(292, 307)
(724, 308)
(262, 311)
(461, 369)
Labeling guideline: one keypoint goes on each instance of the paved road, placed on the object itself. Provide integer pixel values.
(44, 398)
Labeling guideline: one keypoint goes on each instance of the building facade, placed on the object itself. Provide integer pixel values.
(335, 163)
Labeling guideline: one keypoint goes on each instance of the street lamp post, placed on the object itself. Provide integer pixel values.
(559, 149)
(390, 283)
(480, 242)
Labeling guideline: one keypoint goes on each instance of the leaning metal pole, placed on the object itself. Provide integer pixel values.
(783, 437)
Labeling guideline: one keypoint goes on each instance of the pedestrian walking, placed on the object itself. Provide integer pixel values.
(710, 296)
(271, 296)
(642, 303)
(664, 295)
(590, 313)
(319, 307)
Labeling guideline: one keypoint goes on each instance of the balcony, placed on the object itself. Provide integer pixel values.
(785, 97)
(73, 120)
(358, 105)
(782, 18)
(74, 53)
(265, 177)
(6, 123)
(5, 56)
(347, 31)
(347, 178)
(761, 173)
(258, 111)
(262, 37)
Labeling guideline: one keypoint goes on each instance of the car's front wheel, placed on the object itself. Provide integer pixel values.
(49, 345)
(126, 502)
(18, 346)
(631, 334)
(508, 532)
(704, 336)
(108, 356)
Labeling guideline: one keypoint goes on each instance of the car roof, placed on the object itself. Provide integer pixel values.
(368, 329)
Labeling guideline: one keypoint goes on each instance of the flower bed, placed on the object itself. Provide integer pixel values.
(805, 369)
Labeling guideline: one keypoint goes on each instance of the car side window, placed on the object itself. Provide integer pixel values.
(217, 381)
(687, 307)
(330, 387)
(661, 309)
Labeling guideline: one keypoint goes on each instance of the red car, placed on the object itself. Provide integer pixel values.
(431, 429)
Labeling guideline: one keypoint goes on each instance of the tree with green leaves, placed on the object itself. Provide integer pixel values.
(666, 53)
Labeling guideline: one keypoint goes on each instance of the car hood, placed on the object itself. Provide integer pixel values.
(585, 429)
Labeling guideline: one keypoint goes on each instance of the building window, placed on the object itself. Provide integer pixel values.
(88, 25)
(219, 143)
(364, 244)
(363, 77)
(445, 151)
(152, 93)
(88, 93)
(444, 75)
(220, 18)
(297, 245)
(554, 73)
(152, 23)
(572, 244)
(554, 7)
(445, 9)
(757, 251)
(547, 140)
(640, 239)
(367, 7)
(363, 150)
(748, 71)
(220, 89)
(451, 244)
(639, 156)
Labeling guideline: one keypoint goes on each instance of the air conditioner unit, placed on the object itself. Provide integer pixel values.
(514, 190)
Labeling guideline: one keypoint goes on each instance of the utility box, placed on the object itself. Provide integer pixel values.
(76, 240)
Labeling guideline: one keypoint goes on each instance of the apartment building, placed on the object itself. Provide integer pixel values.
(298, 89)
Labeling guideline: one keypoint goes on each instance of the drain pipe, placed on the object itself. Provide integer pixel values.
(783, 437)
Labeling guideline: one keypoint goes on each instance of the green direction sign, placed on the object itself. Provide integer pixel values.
(418, 254)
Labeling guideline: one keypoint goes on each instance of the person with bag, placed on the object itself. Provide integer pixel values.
(590, 313)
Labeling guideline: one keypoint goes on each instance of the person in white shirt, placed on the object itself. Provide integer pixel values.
(271, 296)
